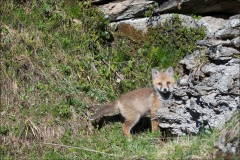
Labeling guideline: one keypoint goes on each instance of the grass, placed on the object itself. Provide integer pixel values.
(59, 63)
(110, 143)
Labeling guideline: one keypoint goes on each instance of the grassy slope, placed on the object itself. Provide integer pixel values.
(55, 72)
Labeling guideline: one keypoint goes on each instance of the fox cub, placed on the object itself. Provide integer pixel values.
(138, 103)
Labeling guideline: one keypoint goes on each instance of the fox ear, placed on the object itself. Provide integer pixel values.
(170, 71)
(155, 73)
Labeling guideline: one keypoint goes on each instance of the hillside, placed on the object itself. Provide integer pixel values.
(60, 62)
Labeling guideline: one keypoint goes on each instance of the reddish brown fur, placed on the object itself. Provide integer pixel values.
(107, 109)
(136, 104)
(164, 78)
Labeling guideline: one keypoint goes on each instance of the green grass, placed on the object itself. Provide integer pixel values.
(110, 143)
(59, 63)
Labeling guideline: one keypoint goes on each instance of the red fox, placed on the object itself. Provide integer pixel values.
(138, 103)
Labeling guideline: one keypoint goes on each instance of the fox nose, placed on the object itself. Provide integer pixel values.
(165, 89)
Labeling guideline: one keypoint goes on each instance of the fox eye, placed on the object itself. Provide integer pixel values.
(160, 84)
(168, 83)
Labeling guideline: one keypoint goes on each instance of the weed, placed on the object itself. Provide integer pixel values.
(196, 17)
(171, 34)
(162, 57)
(149, 13)
(4, 130)
(62, 110)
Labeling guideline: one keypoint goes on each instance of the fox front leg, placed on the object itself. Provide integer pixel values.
(155, 107)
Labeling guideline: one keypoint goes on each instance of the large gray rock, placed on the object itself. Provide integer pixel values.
(126, 9)
(228, 33)
(202, 101)
(222, 53)
(208, 96)
(212, 24)
(231, 29)
(120, 10)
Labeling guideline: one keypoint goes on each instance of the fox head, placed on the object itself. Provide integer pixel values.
(163, 82)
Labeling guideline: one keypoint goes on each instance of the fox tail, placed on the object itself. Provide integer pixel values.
(106, 110)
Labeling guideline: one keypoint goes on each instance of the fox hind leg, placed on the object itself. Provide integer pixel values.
(129, 124)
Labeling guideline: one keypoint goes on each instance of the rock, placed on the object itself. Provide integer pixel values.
(224, 84)
(208, 95)
(212, 24)
(230, 29)
(222, 53)
(126, 9)
(190, 60)
(227, 33)
(234, 22)
(138, 24)
(236, 42)
(186, 20)
(214, 42)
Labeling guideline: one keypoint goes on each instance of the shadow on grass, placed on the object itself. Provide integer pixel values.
(143, 125)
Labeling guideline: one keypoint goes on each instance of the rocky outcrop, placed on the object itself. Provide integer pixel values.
(212, 24)
(207, 96)
(127, 9)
